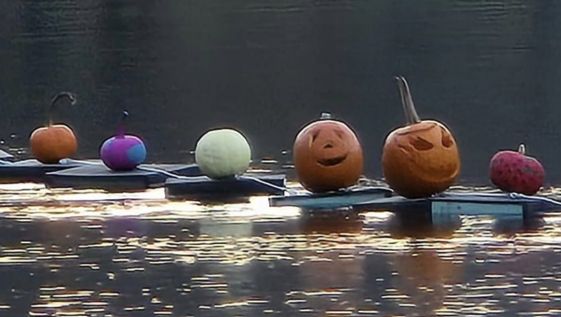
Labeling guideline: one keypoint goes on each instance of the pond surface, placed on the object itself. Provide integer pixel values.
(89, 253)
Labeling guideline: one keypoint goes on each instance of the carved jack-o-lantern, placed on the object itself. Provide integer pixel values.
(421, 158)
(327, 156)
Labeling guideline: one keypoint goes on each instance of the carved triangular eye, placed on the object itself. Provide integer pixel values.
(447, 140)
(315, 136)
(421, 144)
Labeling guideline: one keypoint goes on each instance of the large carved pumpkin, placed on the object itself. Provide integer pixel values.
(327, 156)
(420, 159)
(51, 143)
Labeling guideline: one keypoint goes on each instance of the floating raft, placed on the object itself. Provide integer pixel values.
(449, 204)
(33, 170)
(204, 188)
(331, 200)
(98, 176)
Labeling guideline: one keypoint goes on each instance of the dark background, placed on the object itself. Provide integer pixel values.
(489, 70)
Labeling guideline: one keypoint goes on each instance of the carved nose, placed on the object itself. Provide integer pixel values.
(328, 146)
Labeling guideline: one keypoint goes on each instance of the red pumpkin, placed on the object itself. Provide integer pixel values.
(54, 142)
(421, 158)
(327, 156)
(516, 172)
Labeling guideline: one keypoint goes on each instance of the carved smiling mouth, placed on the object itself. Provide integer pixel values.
(332, 161)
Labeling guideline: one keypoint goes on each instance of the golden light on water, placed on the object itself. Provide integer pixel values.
(91, 252)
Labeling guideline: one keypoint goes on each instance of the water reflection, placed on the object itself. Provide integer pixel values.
(90, 253)
(331, 222)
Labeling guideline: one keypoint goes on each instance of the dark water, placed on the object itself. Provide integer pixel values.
(86, 253)
(489, 69)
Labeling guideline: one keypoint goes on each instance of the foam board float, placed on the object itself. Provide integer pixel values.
(98, 176)
(32, 170)
(331, 200)
(205, 188)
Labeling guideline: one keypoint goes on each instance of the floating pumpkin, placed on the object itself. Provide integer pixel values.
(421, 158)
(327, 156)
(222, 153)
(514, 171)
(123, 152)
(51, 143)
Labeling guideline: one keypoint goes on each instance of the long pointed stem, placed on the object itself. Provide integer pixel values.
(407, 101)
(63, 94)
(121, 126)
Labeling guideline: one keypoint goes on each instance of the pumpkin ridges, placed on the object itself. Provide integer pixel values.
(223, 153)
(51, 144)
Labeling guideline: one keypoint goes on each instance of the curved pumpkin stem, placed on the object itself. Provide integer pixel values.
(63, 94)
(407, 101)
(121, 126)
(522, 149)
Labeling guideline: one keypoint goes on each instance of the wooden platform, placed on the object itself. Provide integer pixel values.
(98, 176)
(204, 188)
(340, 199)
(444, 205)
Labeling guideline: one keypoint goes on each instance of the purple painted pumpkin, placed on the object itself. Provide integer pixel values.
(513, 171)
(123, 152)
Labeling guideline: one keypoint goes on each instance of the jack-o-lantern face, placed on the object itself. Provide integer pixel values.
(421, 158)
(327, 156)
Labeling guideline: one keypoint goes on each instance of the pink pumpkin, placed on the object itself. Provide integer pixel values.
(516, 172)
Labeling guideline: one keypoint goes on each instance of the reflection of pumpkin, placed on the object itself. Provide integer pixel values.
(331, 222)
(420, 269)
(421, 158)
(54, 142)
(327, 156)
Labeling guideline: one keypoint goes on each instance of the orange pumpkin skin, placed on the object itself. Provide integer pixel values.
(420, 159)
(52, 143)
(327, 156)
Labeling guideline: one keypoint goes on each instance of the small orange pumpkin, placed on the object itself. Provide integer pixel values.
(420, 159)
(327, 156)
(54, 142)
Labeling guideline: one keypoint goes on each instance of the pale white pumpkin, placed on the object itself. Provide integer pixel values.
(223, 153)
